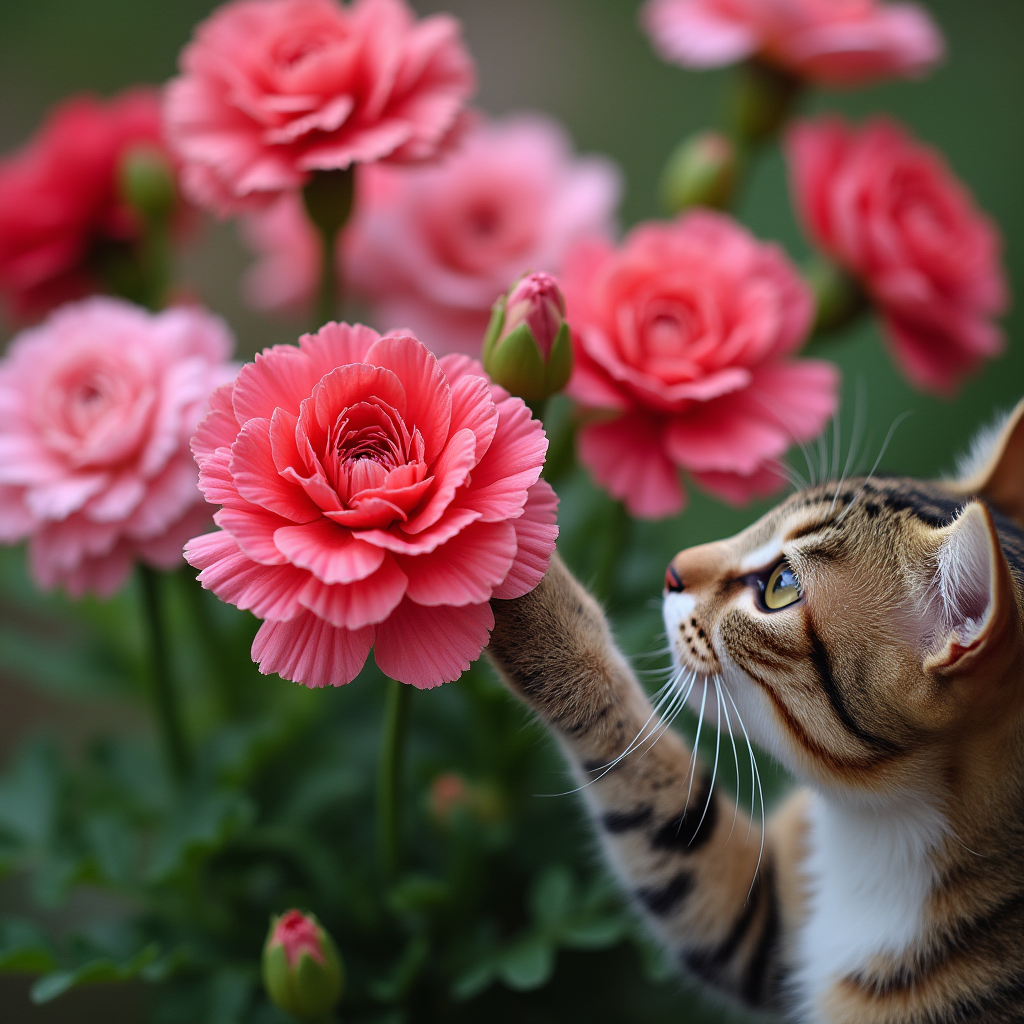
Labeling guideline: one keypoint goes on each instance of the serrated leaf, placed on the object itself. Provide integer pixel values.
(528, 964)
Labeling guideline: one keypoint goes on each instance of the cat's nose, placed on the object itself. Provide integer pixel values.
(673, 581)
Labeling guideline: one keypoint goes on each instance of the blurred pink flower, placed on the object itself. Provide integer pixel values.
(834, 42)
(682, 339)
(59, 198)
(895, 216)
(272, 90)
(432, 248)
(371, 496)
(97, 405)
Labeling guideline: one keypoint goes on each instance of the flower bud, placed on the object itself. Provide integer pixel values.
(527, 348)
(302, 970)
(147, 183)
(838, 298)
(700, 172)
(764, 98)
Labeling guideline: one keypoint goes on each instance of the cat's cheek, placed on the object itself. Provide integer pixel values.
(751, 708)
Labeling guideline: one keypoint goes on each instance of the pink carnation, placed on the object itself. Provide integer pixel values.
(432, 248)
(272, 90)
(834, 42)
(892, 212)
(59, 198)
(97, 406)
(371, 496)
(683, 340)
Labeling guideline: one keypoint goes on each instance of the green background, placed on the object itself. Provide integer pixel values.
(585, 62)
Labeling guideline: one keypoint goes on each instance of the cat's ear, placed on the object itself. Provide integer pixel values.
(977, 623)
(999, 475)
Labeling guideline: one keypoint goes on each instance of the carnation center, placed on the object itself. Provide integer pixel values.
(375, 462)
(671, 336)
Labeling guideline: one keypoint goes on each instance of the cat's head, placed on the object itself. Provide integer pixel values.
(865, 632)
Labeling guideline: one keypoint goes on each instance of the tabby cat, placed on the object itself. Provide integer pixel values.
(869, 634)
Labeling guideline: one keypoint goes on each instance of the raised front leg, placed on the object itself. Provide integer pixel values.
(690, 865)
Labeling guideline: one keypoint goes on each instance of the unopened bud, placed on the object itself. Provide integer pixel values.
(302, 970)
(764, 98)
(527, 348)
(700, 172)
(147, 183)
(838, 297)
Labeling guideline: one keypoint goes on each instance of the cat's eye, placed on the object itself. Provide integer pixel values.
(782, 588)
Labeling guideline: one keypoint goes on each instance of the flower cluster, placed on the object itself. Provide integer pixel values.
(97, 406)
(834, 42)
(891, 212)
(272, 90)
(60, 201)
(684, 344)
(372, 497)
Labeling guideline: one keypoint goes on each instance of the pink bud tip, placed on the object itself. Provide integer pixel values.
(537, 301)
(298, 934)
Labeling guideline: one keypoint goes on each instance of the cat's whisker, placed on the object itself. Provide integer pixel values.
(718, 747)
(755, 781)
(858, 419)
(671, 714)
(719, 683)
(888, 438)
(696, 743)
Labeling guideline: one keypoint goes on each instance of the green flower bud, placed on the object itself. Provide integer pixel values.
(302, 969)
(147, 183)
(700, 172)
(527, 348)
(838, 298)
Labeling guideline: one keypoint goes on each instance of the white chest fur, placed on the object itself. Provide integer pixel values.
(870, 871)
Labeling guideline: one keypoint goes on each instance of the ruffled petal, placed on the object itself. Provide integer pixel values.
(425, 647)
(361, 603)
(310, 651)
(536, 533)
(329, 551)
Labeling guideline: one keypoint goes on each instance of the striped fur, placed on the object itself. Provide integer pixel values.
(890, 889)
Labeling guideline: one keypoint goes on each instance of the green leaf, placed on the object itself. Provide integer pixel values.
(104, 969)
(599, 934)
(28, 795)
(474, 981)
(24, 949)
(552, 896)
(528, 964)
(416, 893)
(201, 826)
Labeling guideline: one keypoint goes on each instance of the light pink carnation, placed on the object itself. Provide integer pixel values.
(97, 406)
(371, 497)
(272, 90)
(431, 248)
(835, 42)
(683, 339)
(892, 212)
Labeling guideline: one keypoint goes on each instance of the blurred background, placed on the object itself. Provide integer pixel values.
(586, 63)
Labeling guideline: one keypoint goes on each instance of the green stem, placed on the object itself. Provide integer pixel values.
(389, 775)
(328, 199)
(165, 697)
(617, 529)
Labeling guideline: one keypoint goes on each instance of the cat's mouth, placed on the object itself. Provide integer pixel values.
(689, 637)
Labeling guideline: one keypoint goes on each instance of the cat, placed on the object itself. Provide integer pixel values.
(869, 635)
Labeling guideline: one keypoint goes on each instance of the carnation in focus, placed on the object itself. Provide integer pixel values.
(272, 90)
(372, 497)
(60, 201)
(684, 338)
(97, 405)
(892, 213)
(831, 42)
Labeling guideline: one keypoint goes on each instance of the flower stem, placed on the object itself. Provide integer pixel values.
(389, 775)
(165, 697)
(328, 199)
(616, 529)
